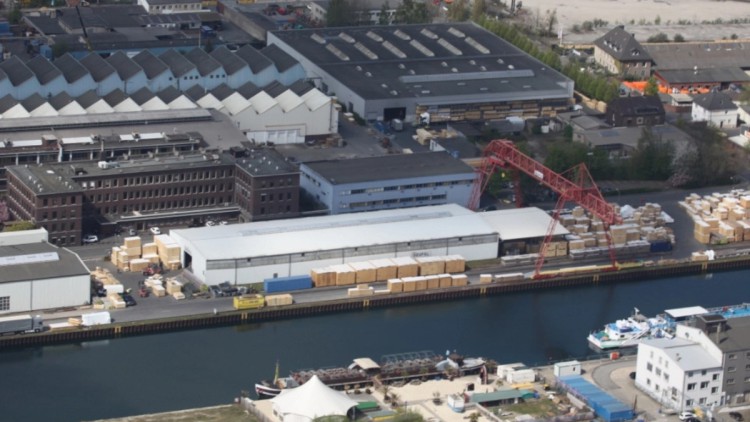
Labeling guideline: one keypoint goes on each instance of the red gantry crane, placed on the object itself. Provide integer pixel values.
(574, 185)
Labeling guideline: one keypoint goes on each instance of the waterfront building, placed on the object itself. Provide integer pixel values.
(267, 186)
(38, 275)
(451, 72)
(389, 181)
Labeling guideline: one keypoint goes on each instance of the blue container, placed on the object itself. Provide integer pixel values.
(661, 246)
(287, 284)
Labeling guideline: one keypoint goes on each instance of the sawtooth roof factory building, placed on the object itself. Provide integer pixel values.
(454, 72)
(251, 252)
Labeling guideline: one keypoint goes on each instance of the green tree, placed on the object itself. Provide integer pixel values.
(15, 15)
(652, 87)
(707, 161)
(59, 49)
(660, 37)
(383, 18)
(17, 226)
(457, 11)
(339, 13)
(678, 38)
(550, 20)
(478, 9)
(653, 157)
(407, 416)
(563, 155)
(412, 12)
(568, 133)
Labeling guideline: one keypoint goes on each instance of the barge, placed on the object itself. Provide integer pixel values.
(365, 372)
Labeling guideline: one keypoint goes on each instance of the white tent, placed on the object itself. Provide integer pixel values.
(311, 400)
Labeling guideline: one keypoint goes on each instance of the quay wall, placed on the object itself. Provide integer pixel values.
(371, 302)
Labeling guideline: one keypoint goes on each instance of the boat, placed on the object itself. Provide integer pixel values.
(628, 332)
(362, 372)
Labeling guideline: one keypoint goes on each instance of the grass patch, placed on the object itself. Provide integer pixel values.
(543, 408)
(227, 413)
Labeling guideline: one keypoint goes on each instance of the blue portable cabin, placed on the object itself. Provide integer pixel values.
(287, 284)
(604, 405)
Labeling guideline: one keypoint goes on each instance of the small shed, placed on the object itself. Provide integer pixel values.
(564, 369)
(501, 397)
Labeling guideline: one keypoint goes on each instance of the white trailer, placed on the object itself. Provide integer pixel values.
(96, 318)
(20, 324)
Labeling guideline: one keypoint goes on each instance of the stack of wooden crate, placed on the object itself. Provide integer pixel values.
(431, 265)
(361, 290)
(279, 300)
(173, 286)
(344, 274)
(385, 269)
(150, 252)
(364, 272)
(169, 251)
(719, 217)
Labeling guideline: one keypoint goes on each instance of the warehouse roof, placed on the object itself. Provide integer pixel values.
(688, 355)
(703, 54)
(334, 232)
(44, 70)
(124, 65)
(203, 61)
(425, 61)
(253, 58)
(701, 75)
(71, 68)
(231, 63)
(150, 64)
(387, 167)
(99, 68)
(521, 223)
(177, 62)
(16, 70)
(48, 262)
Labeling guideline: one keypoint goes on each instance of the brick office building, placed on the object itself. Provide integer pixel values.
(75, 198)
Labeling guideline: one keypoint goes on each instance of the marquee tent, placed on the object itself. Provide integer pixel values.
(311, 400)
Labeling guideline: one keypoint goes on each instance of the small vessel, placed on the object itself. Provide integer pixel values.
(269, 389)
(628, 332)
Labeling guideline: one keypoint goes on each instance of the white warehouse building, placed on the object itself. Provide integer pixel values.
(36, 275)
(251, 252)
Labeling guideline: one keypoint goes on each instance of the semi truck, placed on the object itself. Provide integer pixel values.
(20, 324)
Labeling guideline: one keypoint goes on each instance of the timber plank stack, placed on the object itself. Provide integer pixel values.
(169, 251)
(385, 269)
(720, 217)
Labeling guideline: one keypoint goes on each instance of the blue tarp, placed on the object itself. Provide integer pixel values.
(604, 405)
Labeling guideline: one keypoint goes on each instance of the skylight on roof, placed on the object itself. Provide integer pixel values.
(479, 47)
(456, 32)
(346, 37)
(401, 34)
(318, 39)
(338, 53)
(450, 47)
(373, 36)
(429, 34)
(366, 51)
(422, 49)
(394, 50)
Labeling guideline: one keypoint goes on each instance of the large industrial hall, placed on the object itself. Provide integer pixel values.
(440, 72)
(251, 252)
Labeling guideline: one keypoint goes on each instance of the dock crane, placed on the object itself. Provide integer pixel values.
(574, 185)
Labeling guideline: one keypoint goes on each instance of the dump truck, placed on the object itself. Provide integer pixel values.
(20, 324)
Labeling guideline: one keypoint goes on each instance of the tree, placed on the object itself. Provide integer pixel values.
(678, 38)
(568, 133)
(652, 87)
(457, 11)
(562, 155)
(550, 20)
(18, 226)
(478, 9)
(339, 13)
(653, 157)
(383, 18)
(707, 161)
(660, 37)
(15, 15)
(407, 416)
(412, 12)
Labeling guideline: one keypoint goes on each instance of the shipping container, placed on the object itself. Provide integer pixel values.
(249, 302)
(96, 318)
(287, 284)
(20, 324)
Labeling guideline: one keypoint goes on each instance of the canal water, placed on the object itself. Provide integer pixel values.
(156, 373)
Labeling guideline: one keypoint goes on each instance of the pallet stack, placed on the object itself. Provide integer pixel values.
(169, 252)
(406, 267)
(364, 272)
(455, 264)
(719, 217)
(279, 300)
(344, 274)
(361, 290)
(150, 252)
(386, 269)
(431, 265)
(323, 277)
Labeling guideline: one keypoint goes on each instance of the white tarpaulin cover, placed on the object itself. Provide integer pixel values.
(311, 400)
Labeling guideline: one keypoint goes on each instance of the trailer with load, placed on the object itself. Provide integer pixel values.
(20, 324)
(256, 301)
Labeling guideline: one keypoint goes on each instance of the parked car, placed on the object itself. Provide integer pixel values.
(98, 289)
(132, 232)
(90, 238)
(684, 416)
(155, 230)
(223, 223)
(736, 416)
(128, 299)
(228, 289)
(215, 291)
(210, 223)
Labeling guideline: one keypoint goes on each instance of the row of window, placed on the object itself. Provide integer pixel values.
(52, 227)
(63, 214)
(165, 205)
(365, 204)
(158, 179)
(270, 197)
(406, 187)
(4, 303)
(158, 193)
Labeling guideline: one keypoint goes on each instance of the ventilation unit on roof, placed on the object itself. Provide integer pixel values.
(401, 66)
(511, 67)
(394, 93)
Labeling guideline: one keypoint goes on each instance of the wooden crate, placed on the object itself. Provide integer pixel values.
(407, 267)
(395, 285)
(459, 280)
(455, 264)
(431, 265)
(445, 280)
(364, 272)
(385, 269)
(345, 274)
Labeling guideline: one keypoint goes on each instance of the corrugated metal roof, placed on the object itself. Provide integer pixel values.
(99, 68)
(125, 67)
(231, 63)
(177, 63)
(262, 102)
(16, 70)
(44, 70)
(68, 264)
(209, 101)
(288, 101)
(150, 64)
(235, 103)
(521, 223)
(203, 61)
(315, 99)
(310, 234)
(253, 58)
